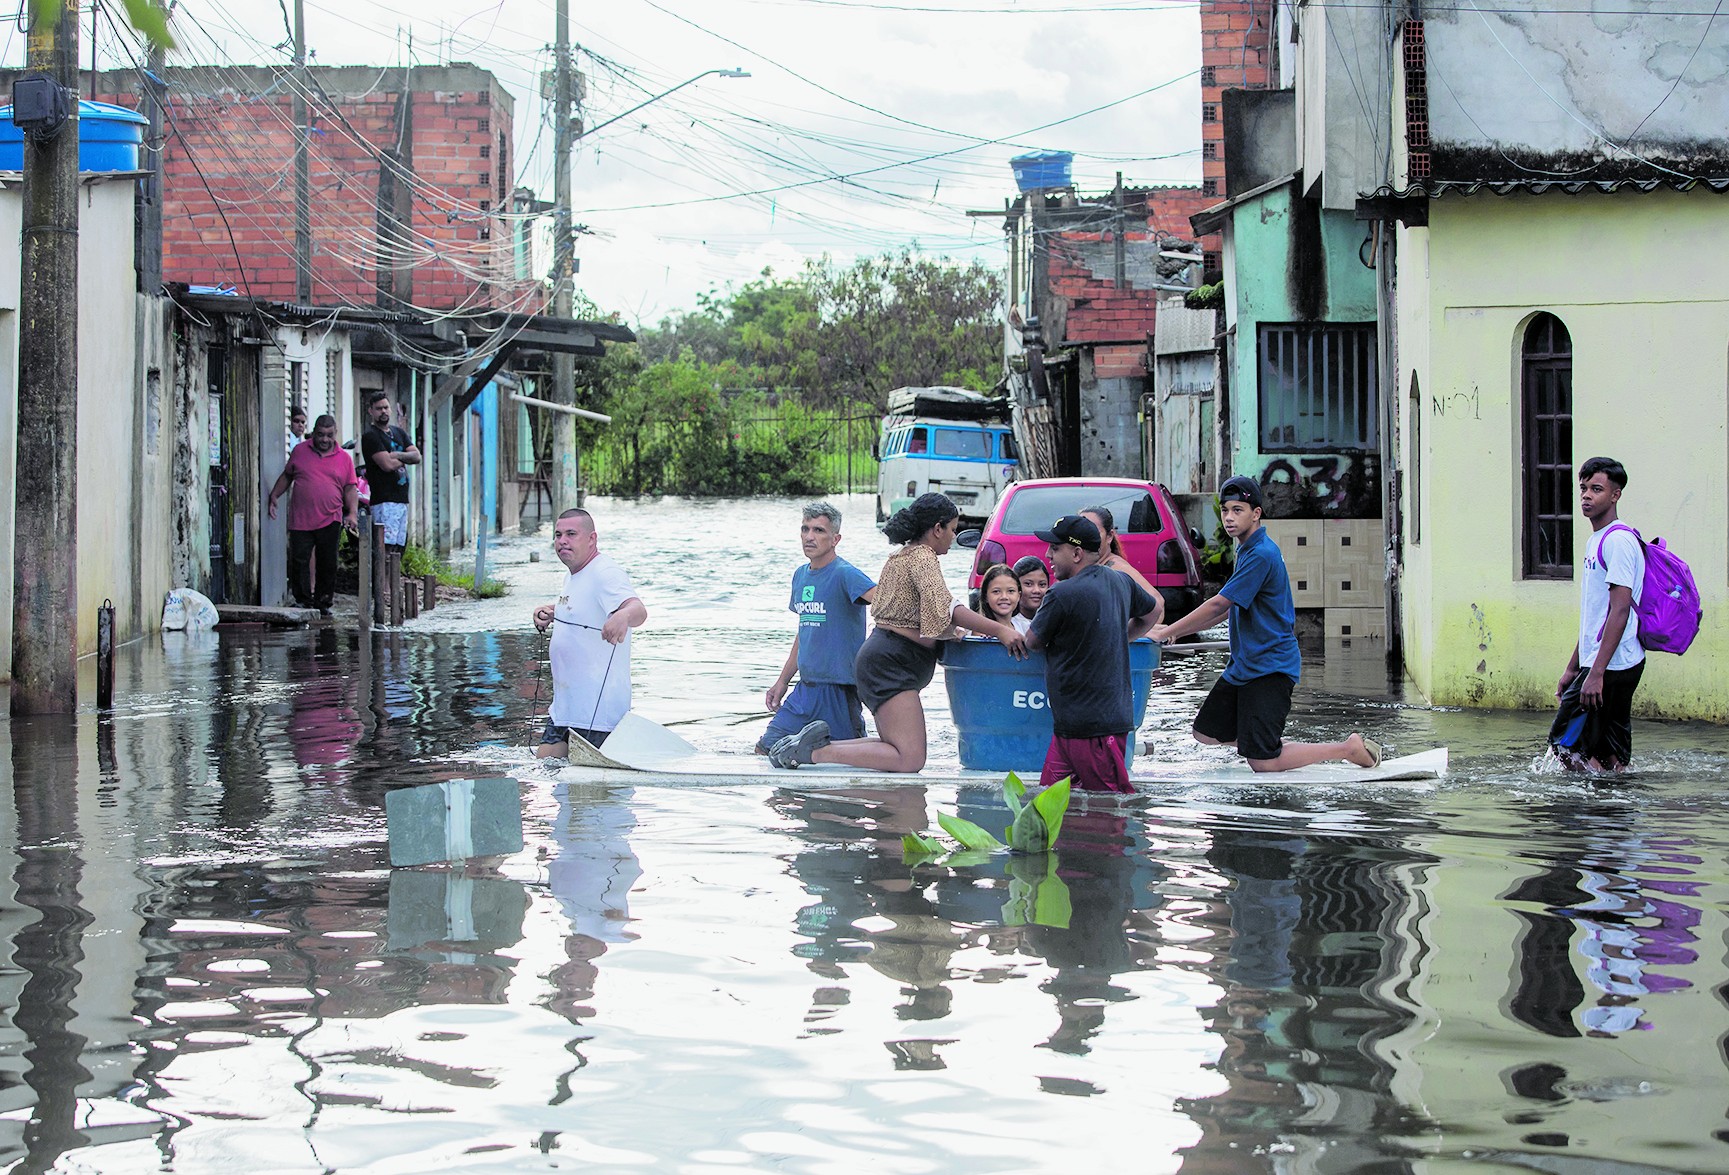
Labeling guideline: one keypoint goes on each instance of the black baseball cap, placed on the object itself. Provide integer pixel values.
(1241, 489)
(1072, 528)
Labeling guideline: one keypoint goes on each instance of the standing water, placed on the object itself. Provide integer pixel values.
(213, 967)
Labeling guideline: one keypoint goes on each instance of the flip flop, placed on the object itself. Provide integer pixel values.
(1375, 751)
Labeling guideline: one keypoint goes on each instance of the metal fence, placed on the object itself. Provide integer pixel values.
(791, 450)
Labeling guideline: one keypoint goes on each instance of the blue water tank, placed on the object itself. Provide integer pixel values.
(110, 138)
(1000, 710)
(1038, 170)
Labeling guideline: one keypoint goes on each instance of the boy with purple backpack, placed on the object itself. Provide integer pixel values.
(1594, 729)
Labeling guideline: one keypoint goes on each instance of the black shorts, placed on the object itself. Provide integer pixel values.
(1252, 715)
(1604, 734)
(561, 734)
(889, 664)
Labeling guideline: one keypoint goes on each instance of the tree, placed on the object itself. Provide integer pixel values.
(889, 321)
(145, 16)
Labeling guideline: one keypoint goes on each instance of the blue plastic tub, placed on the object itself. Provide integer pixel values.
(1042, 169)
(999, 703)
(110, 138)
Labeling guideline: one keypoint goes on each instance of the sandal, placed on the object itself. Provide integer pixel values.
(1375, 751)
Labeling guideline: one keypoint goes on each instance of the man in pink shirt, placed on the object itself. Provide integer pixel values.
(326, 499)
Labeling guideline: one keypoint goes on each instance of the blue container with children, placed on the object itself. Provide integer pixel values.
(999, 704)
(110, 138)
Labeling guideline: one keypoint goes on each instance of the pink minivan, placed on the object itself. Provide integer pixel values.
(1151, 529)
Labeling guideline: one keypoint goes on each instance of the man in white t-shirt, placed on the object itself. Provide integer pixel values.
(590, 650)
(1594, 729)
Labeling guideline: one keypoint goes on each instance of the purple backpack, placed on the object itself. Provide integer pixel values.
(1669, 612)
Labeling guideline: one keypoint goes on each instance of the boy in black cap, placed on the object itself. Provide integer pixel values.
(1084, 627)
(1249, 703)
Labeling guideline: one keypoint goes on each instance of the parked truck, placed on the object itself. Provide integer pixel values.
(946, 440)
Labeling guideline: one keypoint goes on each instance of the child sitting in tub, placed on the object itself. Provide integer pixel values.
(1000, 597)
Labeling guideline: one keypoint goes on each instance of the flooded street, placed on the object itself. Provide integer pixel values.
(213, 967)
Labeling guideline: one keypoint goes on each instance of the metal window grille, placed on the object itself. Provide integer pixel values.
(1546, 412)
(1317, 387)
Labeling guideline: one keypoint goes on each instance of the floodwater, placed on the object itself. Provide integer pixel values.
(210, 965)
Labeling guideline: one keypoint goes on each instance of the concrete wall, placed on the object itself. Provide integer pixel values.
(1344, 79)
(125, 422)
(1515, 90)
(1637, 281)
(1289, 261)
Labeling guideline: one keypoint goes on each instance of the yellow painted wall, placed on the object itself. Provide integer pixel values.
(1637, 278)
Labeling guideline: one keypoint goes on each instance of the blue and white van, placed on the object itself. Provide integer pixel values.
(945, 440)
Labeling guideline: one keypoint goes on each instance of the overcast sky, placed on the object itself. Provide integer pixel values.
(863, 126)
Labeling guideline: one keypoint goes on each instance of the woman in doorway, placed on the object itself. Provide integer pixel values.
(914, 611)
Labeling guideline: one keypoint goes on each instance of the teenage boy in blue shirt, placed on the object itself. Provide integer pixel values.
(828, 597)
(1249, 703)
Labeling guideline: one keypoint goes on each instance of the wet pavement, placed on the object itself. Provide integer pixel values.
(210, 964)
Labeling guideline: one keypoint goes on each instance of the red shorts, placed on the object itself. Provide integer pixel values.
(1091, 764)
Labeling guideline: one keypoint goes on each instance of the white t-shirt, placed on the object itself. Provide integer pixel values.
(590, 678)
(1615, 559)
(1021, 623)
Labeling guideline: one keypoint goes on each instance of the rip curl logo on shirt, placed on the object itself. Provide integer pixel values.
(809, 594)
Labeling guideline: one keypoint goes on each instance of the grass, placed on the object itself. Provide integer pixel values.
(418, 561)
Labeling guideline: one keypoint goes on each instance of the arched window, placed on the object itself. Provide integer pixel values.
(1546, 412)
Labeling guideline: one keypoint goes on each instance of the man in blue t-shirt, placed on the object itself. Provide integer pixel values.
(1249, 703)
(828, 597)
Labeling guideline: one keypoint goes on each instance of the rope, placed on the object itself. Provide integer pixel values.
(605, 675)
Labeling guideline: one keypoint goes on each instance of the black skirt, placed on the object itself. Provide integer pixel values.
(889, 664)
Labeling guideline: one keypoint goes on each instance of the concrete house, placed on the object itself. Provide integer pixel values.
(1555, 206)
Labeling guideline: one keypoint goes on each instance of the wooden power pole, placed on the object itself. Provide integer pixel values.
(566, 480)
(302, 168)
(45, 519)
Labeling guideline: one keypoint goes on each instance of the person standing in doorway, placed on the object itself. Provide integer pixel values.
(1248, 705)
(1084, 627)
(296, 427)
(590, 650)
(326, 500)
(388, 452)
(1593, 730)
(828, 597)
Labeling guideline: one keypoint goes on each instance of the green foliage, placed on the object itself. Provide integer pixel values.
(1219, 555)
(144, 16)
(840, 333)
(1036, 895)
(970, 835)
(1209, 297)
(417, 562)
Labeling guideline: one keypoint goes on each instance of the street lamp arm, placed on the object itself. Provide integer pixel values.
(725, 73)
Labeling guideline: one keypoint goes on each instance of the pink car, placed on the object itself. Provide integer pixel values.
(1149, 526)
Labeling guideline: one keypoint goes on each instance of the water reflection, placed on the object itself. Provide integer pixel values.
(210, 964)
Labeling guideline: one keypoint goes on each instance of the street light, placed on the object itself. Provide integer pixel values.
(725, 73)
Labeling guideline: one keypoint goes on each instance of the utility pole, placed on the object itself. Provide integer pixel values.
(302, 176)
(45, 519)
(150, 189)
(566, 473)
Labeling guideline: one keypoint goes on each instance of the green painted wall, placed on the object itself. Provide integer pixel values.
(1292, 262)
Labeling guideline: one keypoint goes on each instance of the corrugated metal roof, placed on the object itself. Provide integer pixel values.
(1437, 189)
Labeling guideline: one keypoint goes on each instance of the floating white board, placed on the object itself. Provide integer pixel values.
(641, 751)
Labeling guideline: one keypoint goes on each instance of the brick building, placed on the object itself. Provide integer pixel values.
(409, 171)
(1236, 54)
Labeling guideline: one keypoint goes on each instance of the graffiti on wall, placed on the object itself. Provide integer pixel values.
(1321, 485)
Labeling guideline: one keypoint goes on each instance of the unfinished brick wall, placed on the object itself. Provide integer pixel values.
(1236, 54)
(1083, 272)
(228, 185)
